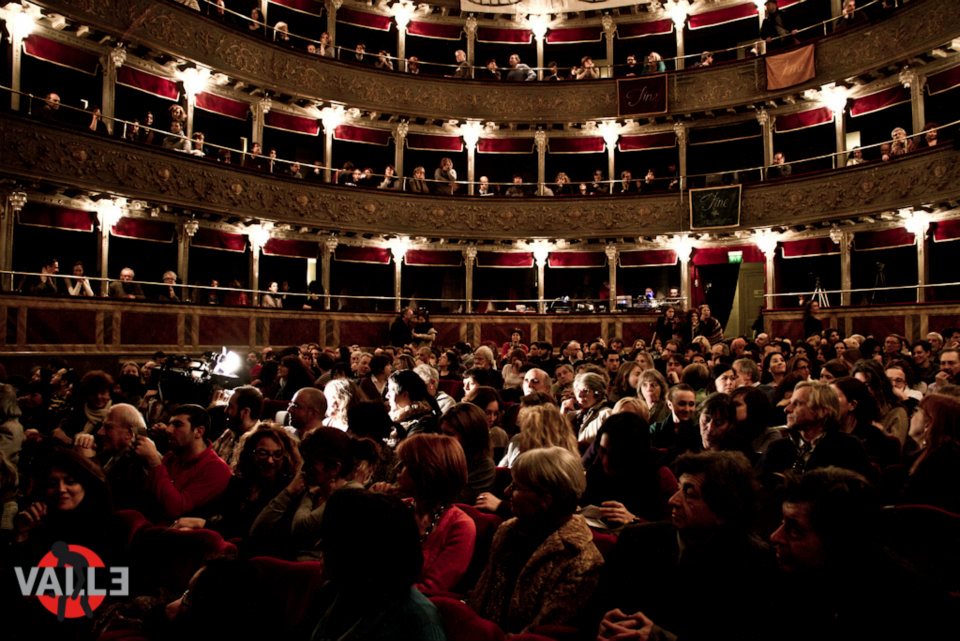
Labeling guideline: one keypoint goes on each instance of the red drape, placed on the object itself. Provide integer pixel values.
(718, 255)
(61, 54)
(722, 16)
(435, 30)
(504, 36)
(289, 122)
(884, 239)
(576, 259)
(148, 83)
(364, 19)
(504, 259)
(291, 248)
(576, 145)
(313, 7)
(362, 134)
(946, 230)
(216, 239)
(640, 29)
(223, 106)
(803, 119)
(433, 258)
(648, 258)
(891, 97)
(575, 34)
(505, 145)
(39, 215)
(809, 247)
(650, 141)
(944, 81)
(351, 254)
(431, 142)
(144, 229)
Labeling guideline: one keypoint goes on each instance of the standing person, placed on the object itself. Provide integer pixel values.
(401, 331)
(812, 324)
(520, 72)
(446, 177)
(464, 71)
(774, 30)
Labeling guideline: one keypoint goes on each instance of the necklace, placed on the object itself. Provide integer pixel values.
(434, 519)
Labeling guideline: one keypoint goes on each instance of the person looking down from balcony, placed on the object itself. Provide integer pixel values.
(520, 72)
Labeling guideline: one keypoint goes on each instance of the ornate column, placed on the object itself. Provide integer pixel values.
(540, 253)
(109, 212)
(683, 246)
(678, 11)
(194, 81)
(186, 231)
(766, 241)
(915, 82)
(400, 132)
(845, 240)
(260, 109)
(680, 130)
(469, 260)
(610, 131)
(540, 139)
(398, 247)
(470, 131)
(331, 117)
(766, 127)
(332, 7)
(402, 12)
(470, 28)
(918, 224)
(609, 28)
(108, 92)
(613, 253)
(258, 236)
(19, 25)
(15, 202)
(326, 248)
(835, 99)
(538, 24)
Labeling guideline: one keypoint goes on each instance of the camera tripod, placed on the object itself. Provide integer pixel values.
(819, 295)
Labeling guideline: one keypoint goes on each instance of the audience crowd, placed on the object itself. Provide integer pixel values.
(677, 485)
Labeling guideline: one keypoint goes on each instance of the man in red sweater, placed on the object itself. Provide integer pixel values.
(190, 475)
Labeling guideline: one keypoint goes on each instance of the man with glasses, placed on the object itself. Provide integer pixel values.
(307, 410)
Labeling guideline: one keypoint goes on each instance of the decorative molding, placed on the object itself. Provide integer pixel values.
(915, 29)
(63, 157)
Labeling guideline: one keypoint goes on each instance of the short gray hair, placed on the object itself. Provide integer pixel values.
(555, 472)
(593, 382)
(427, 373)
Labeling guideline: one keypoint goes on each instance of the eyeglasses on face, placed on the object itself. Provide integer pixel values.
(263, 453)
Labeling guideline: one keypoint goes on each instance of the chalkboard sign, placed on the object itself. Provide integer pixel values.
(641, 96)
(715, 207)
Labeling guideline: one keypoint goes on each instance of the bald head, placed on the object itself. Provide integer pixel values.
(536, 380)
(120, 427)
(307, 409)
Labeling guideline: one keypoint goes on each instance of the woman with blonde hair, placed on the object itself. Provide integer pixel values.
(540, 426)
(341, 394)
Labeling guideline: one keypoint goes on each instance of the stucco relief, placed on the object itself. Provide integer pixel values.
(72, 159)
(915, 29)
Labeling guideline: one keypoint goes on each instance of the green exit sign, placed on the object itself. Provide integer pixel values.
(735, 257)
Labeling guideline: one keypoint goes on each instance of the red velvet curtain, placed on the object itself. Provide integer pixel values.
(505, 259)
(216, 239)
(641, 29)
(576, 145)
(648, 258)
(148, 83)
(572, 35)
(351, 254)
(430, 142)
(664, 140)
(433, 258)
(61, 54)
(946, 230)
(722, 16)
(718, 255)
(504, 36)
(364, 19)
(803, 119)
(883, 239)
(944, 81)
(505, 145)
(891, 97)
(435, 30)
(362, 134)
(809, 247)
(224, 106)
(144, 229)
(313, 7)
(289, 122)
(291, 248)
(40, 215)
(576, 259)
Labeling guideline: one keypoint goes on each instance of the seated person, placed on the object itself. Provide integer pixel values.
(542, 562)
(125, 287)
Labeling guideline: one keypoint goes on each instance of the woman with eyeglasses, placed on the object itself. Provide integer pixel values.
(588, 409)
(268, 461)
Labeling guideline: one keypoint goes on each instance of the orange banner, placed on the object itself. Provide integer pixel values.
(790, 68)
